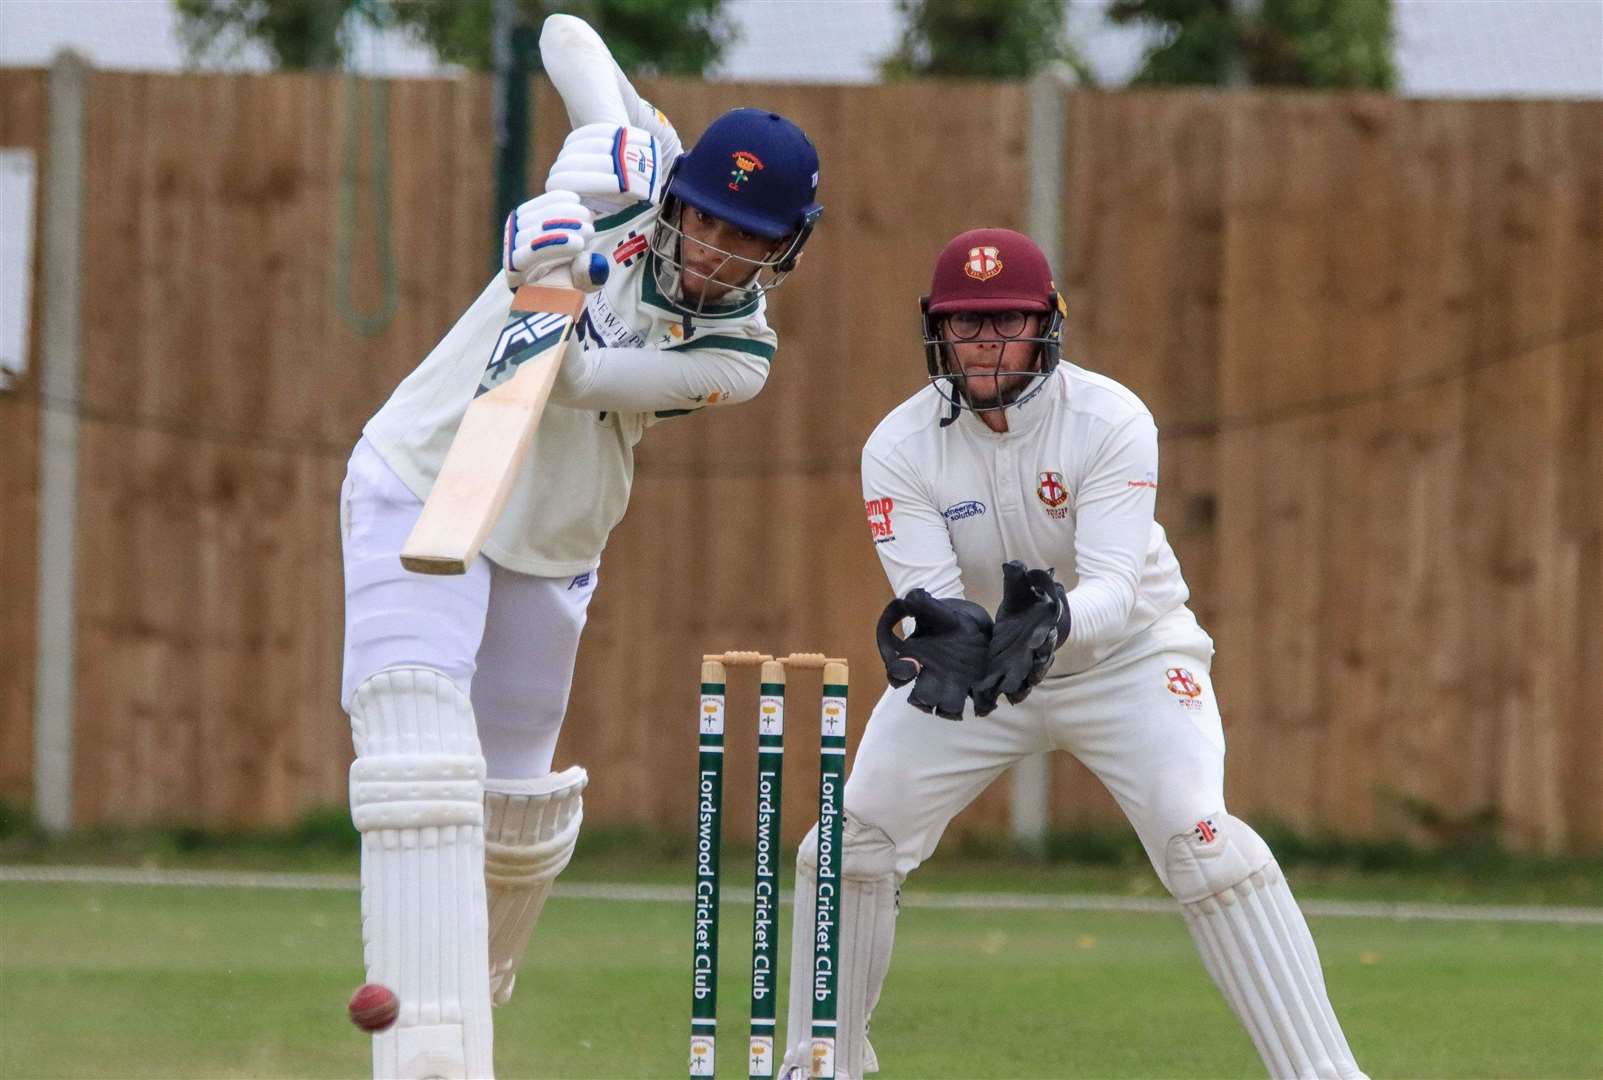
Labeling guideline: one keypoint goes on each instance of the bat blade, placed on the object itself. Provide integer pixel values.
(495, 433)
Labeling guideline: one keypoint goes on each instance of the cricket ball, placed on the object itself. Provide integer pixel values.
(374, 1007)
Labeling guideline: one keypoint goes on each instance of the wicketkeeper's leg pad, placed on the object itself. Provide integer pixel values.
(869, 893)
(417, 797)
(1256, 945)
(530, 827)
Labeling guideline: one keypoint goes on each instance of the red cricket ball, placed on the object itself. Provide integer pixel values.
(374, 1007)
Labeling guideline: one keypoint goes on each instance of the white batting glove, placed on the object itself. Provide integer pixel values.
(605, 161)
(545, 233)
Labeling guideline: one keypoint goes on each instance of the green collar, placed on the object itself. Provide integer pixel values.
(650, 294)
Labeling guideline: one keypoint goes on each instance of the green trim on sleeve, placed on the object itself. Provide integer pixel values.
(665, 414)
(612, 221)
(725, 341)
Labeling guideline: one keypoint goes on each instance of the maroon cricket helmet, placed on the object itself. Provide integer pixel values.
(991, 270)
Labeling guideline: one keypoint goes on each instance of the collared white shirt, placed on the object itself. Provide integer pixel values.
(1072, 484)
(637, 358)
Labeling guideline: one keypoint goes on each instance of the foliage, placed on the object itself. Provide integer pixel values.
(647, 36)
(980, 39)
(682, 37)
(297, 34)
(1312, 43)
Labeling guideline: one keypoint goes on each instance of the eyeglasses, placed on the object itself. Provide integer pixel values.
(966, 325)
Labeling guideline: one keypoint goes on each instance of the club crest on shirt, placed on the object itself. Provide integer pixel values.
(879, 519)
(1184, 686)
(1054, 495)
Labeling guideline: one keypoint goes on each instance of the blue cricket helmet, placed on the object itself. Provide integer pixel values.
(754, 169)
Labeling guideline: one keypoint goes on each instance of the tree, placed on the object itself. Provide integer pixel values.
(981, 39)
(1314, 43)
(646, 36)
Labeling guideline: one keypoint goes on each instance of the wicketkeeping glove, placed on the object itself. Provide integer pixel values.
(605, 161)
(545, 233)
(1031, 622)
(944, 655)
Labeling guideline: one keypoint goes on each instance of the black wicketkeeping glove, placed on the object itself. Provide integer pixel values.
(1032, 620)
(943, 656)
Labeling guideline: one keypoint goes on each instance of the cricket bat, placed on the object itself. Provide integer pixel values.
(499, 424)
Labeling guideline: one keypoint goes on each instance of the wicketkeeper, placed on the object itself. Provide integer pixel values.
(1011, 502)
(457, 686)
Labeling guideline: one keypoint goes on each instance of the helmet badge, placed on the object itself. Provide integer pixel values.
(746, 163)
(983, 263)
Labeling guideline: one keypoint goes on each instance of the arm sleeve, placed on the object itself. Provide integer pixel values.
(582, 69)
(909, 533)
(709, 371)
(1112, 531)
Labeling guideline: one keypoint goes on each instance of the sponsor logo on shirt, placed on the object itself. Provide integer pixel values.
(629, 249)
(1150, 480)
(605, 327)
(879, 519)
(1054, 495)
(966, 509)
(581, 581)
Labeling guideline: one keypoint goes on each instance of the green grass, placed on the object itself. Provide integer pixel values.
(1084, 861)
(106, 981)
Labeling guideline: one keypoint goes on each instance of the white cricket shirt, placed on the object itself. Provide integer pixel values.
(639, 359)
(1072, 484)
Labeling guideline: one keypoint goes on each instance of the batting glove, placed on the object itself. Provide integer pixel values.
(605, 161)
(544, 234)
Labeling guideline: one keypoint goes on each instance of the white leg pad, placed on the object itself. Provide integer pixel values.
(867, 934)
(417, 797)
(1256, 946)
(530, 829)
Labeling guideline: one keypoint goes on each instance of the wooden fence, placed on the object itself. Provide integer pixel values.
(1371, 331)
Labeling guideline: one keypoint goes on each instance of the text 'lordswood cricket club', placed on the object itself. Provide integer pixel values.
(823, 988)
(706, 887)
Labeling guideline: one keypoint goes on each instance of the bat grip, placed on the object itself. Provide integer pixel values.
(587, 273)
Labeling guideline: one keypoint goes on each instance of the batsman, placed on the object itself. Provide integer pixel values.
(1011, 502)
(457, 686)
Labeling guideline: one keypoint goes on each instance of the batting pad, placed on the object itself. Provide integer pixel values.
(530, 829)
(1255, 944)
(417, 797)
(867, 934)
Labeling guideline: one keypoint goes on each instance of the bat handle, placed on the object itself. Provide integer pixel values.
(587, 273)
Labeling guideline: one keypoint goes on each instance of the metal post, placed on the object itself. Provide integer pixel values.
(1030, 803)
(514, 45)
(56, 666)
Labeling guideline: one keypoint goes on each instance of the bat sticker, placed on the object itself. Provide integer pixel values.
(520, 340)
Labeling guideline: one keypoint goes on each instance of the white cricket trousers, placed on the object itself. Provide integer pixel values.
(1148, 728)
(508, 640)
